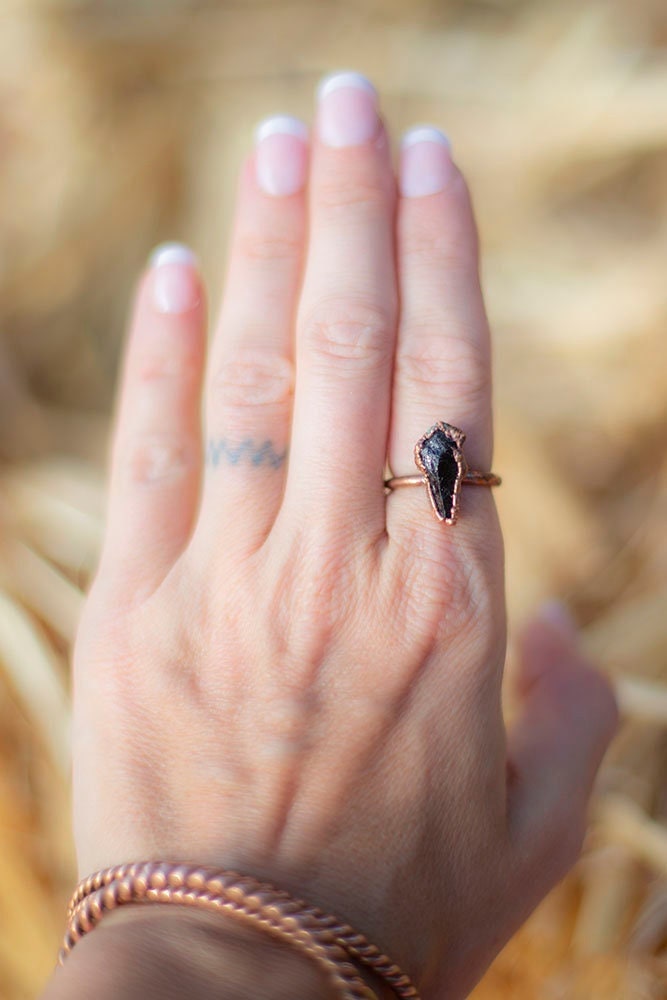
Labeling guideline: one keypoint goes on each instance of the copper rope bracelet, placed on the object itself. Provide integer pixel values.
(330, 942)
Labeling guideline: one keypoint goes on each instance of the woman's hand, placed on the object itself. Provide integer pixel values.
(280, 668)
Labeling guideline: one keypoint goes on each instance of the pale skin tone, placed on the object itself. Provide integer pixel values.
(280, 668)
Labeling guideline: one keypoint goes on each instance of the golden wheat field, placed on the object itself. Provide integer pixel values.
(122, 123)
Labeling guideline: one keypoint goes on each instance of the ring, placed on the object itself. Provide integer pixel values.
(444, 469)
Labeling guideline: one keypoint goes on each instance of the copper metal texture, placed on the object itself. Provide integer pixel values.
(341, 974)
(439, 456)
(257, 902)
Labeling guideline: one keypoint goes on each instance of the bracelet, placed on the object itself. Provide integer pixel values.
(325, 939)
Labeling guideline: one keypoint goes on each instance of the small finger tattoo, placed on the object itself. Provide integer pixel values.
(219, 452)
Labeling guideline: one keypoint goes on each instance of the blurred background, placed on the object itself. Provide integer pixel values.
(122, 125)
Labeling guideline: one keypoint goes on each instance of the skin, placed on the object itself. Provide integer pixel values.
(282, 670)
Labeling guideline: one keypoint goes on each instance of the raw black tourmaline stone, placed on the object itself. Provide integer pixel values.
(440, 457)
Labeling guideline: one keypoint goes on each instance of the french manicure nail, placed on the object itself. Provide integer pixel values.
(281, 157)
(426, 161)
(348, 109)
(175, 281)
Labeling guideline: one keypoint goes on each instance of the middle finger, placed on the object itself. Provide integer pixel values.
(346, 317)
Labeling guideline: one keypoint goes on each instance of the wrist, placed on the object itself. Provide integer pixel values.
(168, 952)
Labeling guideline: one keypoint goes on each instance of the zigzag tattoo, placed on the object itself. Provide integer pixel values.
(220, 451)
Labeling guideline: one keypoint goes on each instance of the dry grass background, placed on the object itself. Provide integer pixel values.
(122, 124)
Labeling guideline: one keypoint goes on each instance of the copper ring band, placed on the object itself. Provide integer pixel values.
(470, 478)
(443, 470)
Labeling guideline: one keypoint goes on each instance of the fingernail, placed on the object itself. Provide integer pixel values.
(175, 279)
(281, 158)
(348, 109)
(559, 616)
(426, 161)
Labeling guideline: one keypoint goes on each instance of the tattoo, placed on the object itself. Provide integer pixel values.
(221, 452)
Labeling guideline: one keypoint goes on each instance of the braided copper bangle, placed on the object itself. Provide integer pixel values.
(323, 937)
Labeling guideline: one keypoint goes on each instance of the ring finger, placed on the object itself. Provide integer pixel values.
(443, 353)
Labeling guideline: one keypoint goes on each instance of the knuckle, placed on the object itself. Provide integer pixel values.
(253, 377)
(452, 363)
(448, 592)
(349, 331)
(475, 589)
(359, 193)
(440, 253)
(444, 240)
(276, 246)
(153, 458)
(167, 365)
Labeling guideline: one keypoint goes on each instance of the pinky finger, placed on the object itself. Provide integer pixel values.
(156, 446)
(569, 717)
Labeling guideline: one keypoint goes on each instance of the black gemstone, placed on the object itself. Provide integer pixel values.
(440, 456)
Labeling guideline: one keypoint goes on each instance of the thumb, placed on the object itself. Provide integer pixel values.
(568, 717)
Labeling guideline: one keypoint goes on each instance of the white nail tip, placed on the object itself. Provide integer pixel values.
(281, 125)
(346, 78)
(425, 133)
(172, 253)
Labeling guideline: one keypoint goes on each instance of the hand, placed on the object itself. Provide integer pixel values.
(280, 668)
